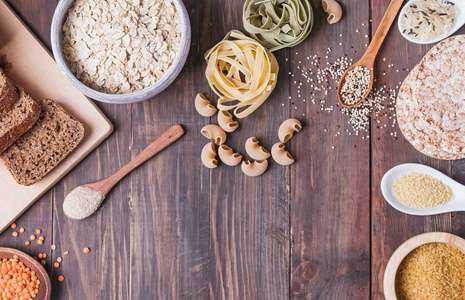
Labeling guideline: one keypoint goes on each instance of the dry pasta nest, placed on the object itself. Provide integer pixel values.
(242, 72)
(278, 24)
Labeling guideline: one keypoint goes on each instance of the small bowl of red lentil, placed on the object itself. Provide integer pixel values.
(22, 277)
(427, 266)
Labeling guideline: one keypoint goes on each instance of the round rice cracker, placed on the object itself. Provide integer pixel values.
(437, 91)
(409, 124)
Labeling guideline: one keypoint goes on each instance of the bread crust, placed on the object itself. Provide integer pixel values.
(9, 95)
(16, 131)
(59, 134)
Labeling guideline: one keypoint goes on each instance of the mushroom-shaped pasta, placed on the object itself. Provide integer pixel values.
(208, 156)
(228, 157)
(281, 156)
(225, 120)
(203, 106)
(254, 168)
(215, 133)
(254, 150)
(287, 129)
(333, 9)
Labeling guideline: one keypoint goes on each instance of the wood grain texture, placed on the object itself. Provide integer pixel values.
(102, 273)
(330, 193)
(169, 216)
(250, 215)
(164, 140)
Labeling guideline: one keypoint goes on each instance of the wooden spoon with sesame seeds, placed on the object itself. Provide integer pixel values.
(368, 59)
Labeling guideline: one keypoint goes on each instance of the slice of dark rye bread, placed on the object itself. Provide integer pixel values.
(14, 124)
(8, 94)
(50, 140)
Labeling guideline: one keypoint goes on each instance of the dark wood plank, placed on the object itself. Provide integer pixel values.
(390, 228)
(102, 273)
(330, 192)
(169, 213)
(250, 216)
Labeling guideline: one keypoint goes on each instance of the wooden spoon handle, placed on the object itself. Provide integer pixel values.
(382, 31)
(163, 141)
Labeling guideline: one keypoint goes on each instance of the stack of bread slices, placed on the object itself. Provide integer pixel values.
(34, 138)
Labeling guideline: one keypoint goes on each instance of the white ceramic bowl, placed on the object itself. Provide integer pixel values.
(59, 18)
(460, 4)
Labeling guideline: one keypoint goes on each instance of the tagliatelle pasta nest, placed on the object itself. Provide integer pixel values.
(278, 24)
(242, 72)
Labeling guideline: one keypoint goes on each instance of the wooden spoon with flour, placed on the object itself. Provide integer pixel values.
(84, 200)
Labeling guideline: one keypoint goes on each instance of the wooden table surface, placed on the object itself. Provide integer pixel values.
(319, 229)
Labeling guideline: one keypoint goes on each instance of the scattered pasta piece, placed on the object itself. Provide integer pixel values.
(333, 9)
(287, 129)
(61, 278)
(203, 106)
(278, 24)
(208, 156)
(228, 157)
(280, 155)
(15, 233)
(32, 237)
(255, 168)
(53, 247)
(86, 250)
(254, 150)
(13, 225)
(225, 120)
(215, 133)
(242, 72)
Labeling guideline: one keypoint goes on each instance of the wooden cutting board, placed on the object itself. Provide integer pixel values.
(33, 68)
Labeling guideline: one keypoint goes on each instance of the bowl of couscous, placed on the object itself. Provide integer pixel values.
(427, 266)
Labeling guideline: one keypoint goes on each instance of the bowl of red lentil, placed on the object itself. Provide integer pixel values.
(22, 277)
(427, 266)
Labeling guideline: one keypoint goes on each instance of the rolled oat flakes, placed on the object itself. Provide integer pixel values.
(119, 46)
